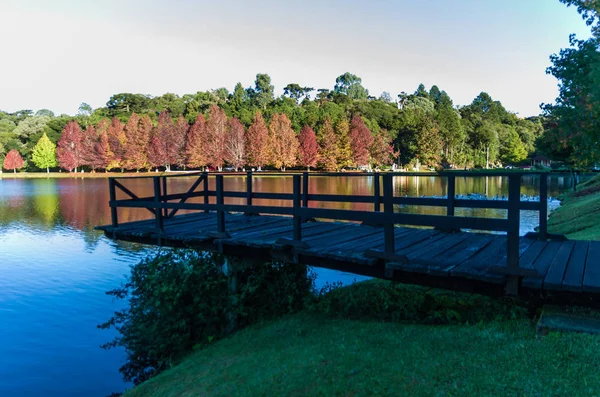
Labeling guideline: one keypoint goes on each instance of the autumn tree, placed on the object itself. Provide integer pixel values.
(195, 149)
(257, 142)
(116, 142)
(361, 140)
(328, 147)
(283, 144)
(344, 150)
(44, 153)
(68, 150)
(235, 153)
(13, 161)
(89, 138)
(177, 147)
(102, 151)
(381, 149)
(308, 148)
(216, 131)
(160, 152)
(136, 144)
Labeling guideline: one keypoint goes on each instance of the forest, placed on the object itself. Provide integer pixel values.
(341, 128)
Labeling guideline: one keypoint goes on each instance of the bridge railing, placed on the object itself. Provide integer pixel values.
(163, 205)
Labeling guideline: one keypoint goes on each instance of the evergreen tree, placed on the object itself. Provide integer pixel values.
(44, 154)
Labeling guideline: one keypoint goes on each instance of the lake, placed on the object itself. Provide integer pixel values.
(55, 269)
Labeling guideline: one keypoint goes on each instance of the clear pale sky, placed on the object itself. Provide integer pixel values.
(59, 53)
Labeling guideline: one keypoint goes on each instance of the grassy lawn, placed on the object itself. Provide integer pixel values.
(307, 354)
(579, 215)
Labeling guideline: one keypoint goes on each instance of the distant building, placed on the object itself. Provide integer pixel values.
(541, 161)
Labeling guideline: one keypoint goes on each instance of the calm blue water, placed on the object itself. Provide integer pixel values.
(54, 271)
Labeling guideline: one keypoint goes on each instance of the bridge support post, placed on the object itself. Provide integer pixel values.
(205, 185)
(220, 202)
(113, 210)
(514, 213)
(451, 193)
(377, 192)
(388, 208)
(543, 228)
(296, 206)
(164, 193)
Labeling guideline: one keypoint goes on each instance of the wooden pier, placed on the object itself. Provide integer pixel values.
(380, 243)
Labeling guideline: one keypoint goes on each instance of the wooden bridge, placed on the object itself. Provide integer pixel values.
(380, 243)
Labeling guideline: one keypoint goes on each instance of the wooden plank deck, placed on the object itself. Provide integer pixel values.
(461, 261)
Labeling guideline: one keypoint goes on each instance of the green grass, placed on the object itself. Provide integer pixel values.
(308, 354)
(579, 215)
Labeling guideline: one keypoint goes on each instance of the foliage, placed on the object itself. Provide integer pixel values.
(44, 154)
(257, 150)
(283, 143)
(235, 153)
(308, 148)
(182, 300)
(68, 150)
(195, 146)
(13, 161)
(328, 149)
(216, 133)
(361, 140)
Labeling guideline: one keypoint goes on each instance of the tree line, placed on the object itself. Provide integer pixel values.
(336, 129)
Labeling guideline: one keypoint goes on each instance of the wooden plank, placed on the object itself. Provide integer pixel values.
(427, 243)
(524, 244)
(591, 279)
(528, 258)
(541, 264)
(573, 280)
(477, 266)
(556, 271)
(472, 244)
(448, 241)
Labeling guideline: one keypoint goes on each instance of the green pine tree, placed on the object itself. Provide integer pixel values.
(44, 153)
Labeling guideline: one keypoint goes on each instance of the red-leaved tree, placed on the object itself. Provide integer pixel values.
(283, 143)
(177, 147)
(68, 148)
(195, 146)
(235, 153)
(361, 140)
(257, 137)
(382, 150)
(116, 142)
(13, 161)
(216, 131)
(160, 152)
(89, 138)
(308, 148)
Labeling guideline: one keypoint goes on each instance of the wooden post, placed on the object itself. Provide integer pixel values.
(514, 204)
(164, 193)
(388, 208)
(249, 189)
(220, 201)
(296, 205)
(158, 213)
(305, 189)
(206, 190)
(451, 193)
(377, 192)
(113, 196)
(543, 229)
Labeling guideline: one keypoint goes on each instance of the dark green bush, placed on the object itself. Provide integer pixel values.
(389, 301)
(180, 300)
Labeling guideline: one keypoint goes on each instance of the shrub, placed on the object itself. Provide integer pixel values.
(180, 300)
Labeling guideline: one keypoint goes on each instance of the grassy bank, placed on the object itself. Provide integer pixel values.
(579, 215)
(308, 354)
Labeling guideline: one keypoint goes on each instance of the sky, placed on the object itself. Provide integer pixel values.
(57, 54)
